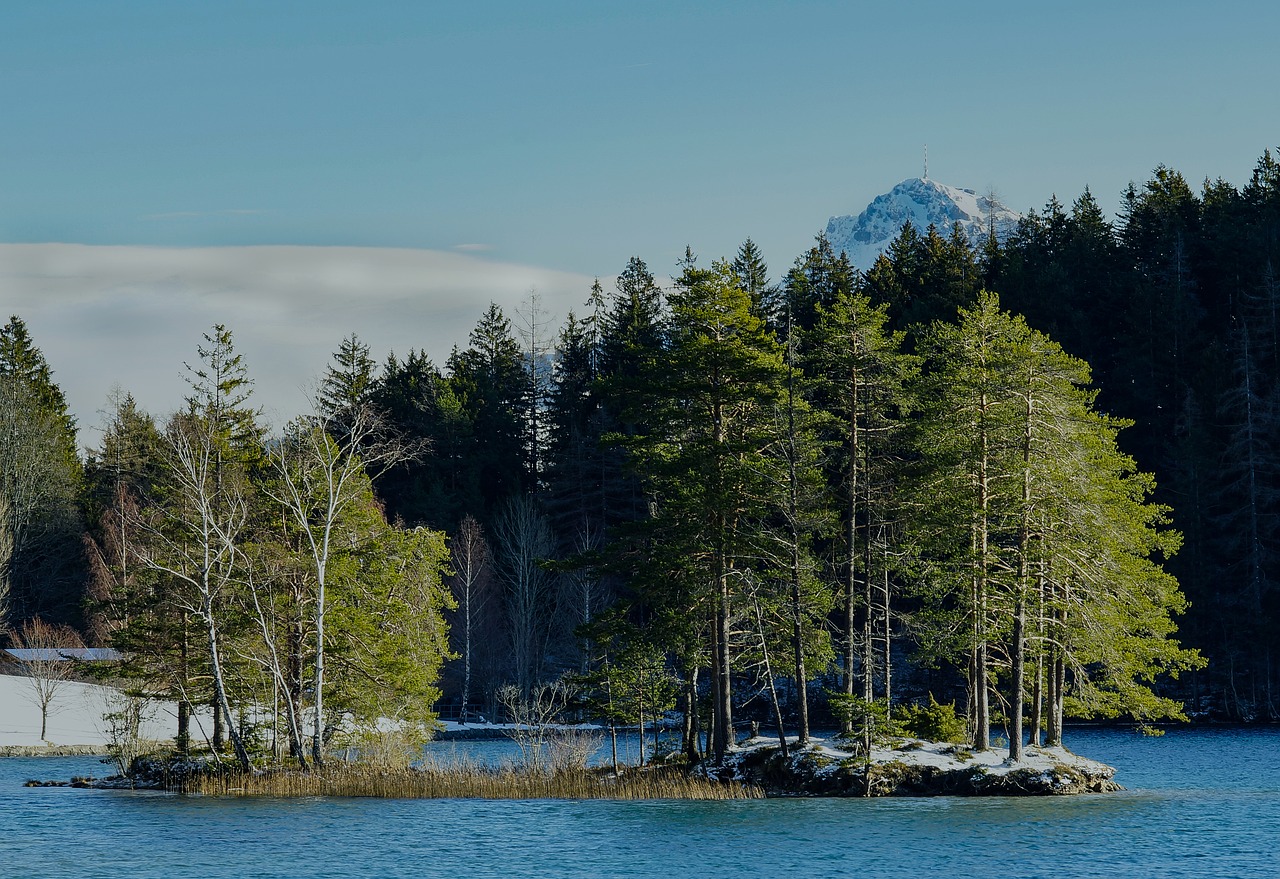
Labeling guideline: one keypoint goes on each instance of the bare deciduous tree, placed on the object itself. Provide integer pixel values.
(48, 667)
(523, 541)
(470, 554)
(533, 720)
(123, 713)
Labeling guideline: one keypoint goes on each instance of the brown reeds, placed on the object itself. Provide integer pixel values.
(468, 782)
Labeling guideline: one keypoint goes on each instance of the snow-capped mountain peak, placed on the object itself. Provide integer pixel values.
(922, 202)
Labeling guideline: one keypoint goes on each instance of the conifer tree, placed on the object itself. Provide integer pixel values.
(491, 384)
(122, 475)
(349, 382)
(1031, 504)
(752, 273)
(41, 477)
(711, 403)
(859, 376)
(817, 279)
(417, 403)
(632, 341)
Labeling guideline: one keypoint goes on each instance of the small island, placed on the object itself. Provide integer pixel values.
(757, 768)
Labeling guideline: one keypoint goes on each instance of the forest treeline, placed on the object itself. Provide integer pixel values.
(987, 473)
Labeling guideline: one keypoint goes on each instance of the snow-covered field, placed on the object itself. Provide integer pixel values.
(75, 715)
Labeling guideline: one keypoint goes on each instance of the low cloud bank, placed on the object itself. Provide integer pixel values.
(108, 316)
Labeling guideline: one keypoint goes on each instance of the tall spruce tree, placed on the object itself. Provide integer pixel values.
(710, 405)
(491, 384)
(816, 279)
(859, 377)
(41, 478)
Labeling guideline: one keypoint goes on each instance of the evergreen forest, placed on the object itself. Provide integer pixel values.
(1038, 478)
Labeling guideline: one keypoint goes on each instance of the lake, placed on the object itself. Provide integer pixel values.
(1200, 803)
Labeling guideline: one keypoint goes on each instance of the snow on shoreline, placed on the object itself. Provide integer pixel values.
(912, 768)
(75, 720)
(75, 715)
(941, 755)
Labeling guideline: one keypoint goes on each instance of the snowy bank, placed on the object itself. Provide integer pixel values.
(912, 768)
(75, 718)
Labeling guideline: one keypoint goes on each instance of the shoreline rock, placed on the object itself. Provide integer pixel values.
(53, 750)
(912, 769)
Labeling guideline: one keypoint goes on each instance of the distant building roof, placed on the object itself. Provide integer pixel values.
(57, 654)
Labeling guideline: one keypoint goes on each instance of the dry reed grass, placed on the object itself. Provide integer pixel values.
(468, 782)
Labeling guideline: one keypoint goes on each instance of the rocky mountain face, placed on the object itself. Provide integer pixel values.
(921, 202)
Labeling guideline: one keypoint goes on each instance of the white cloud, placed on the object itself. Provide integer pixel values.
(131, 316)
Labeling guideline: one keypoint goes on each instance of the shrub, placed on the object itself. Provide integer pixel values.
(934, 722)
(870, 723)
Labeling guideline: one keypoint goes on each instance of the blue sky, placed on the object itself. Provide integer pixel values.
(569, 136)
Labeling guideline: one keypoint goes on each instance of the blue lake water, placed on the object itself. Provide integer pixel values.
(1200, 803)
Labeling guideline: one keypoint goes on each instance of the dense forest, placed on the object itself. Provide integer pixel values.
(1038, 477)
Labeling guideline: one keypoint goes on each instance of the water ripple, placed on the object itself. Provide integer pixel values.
(1201, 804)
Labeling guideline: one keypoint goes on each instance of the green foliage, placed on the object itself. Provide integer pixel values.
(924, 278)
(387, 614)
(1032, 503)
(633, 682)
(869, 721)
(933, 722)
(978, 483)
(492, 387)
(817, 280)
(41, 560)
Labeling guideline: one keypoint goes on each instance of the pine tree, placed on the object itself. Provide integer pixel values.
(583, 475)
(752, 273)
(711, 402)
(802, 517)
(41, 478)
(859, 377)
(1248, 504)
(1034, 514)
(923, 278)
(632, 342)
(417, 404)
(816, 279)
(348, 384)
(491, 384)
(121, 476)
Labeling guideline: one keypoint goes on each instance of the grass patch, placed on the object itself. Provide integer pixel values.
(467, 782)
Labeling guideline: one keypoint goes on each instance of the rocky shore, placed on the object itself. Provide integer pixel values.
(913, 768)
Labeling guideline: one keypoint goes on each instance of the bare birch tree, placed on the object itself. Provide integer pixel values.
(192, 538)
(319, 465)
(470, 554)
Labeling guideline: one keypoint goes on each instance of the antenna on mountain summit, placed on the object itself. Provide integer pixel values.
(926, 161)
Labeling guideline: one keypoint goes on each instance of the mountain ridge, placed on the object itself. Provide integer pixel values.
(922, 202)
